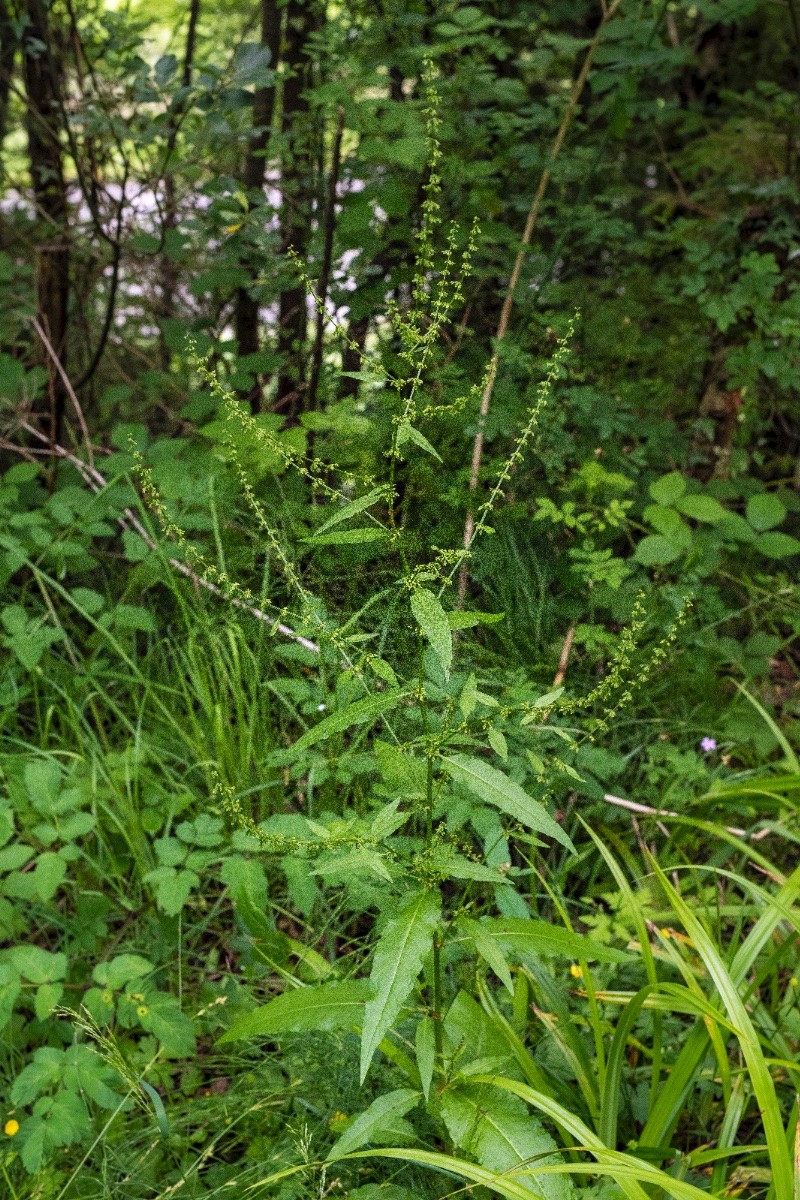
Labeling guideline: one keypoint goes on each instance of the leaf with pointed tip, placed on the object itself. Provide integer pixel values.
(541, 937)
(351, 509)
(406, 940)
(328, 1006)
(496, 788)
(348, 537)
(374, 1121)
(425, 1046)
(489, 951)
(432, 620)
(407, 433)
(353, 714)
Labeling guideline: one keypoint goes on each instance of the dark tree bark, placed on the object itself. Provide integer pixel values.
(43, 74)
(297, 188)
(8, 50)
(324, 281)
(253, 178)
(169, 270)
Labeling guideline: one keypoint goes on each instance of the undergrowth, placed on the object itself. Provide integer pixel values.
(312, 887)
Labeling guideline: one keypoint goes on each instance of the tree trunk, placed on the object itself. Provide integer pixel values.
(296, 192)
(169, 271)
(43, 73)
(253, 178)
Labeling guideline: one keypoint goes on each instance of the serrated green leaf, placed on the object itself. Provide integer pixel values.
(353, 714)
(468, 700)
(541, 937)
(326, 1006)
(503, 1137)
(120, 970)
(351, 509)
(498, 790)
(407, 433)
(455, 866)
(405, 941)
(467, 620)
(37, 965)
(381, 668)
(47, 997)
(489, 950)
(497, 741)
(348, 537)
(425, 1048)
(373, 1121)
(432, 620)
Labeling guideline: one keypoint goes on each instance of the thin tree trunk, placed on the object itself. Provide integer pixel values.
(253, 179)
(43, 72)
(324, 282)
(8, 49)
(296, 190)
(169, 271)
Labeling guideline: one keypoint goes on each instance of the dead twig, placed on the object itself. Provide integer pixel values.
(635, 807)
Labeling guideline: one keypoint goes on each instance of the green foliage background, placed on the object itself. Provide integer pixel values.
(338, 854)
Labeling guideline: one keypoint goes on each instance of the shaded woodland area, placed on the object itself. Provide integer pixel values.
(399, 701)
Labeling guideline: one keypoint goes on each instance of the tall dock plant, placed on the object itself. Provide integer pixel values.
(433, 736)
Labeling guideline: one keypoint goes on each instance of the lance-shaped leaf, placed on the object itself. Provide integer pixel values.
(432, 620)
(489, 950)
(351, 509)
(403, 945)
(367, 709)
(347, 537)
(375, 1122)
(521, 934)
(328, 1006)
(497, 789)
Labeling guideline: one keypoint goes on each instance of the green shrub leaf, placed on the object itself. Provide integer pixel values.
(353, 714)
(765, 511)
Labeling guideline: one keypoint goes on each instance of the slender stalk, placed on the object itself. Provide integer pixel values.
(505, 312)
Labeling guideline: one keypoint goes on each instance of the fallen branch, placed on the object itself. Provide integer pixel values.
(635, 807)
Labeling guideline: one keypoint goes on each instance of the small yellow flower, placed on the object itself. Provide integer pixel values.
(576, 972)
(794, 981)
(107, 997)
(142, 1010)
(337, 1119)
(11, 1127)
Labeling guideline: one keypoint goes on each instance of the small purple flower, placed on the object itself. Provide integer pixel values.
(708, 744)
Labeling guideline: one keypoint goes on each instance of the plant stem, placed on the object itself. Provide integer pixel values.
(505, 313)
